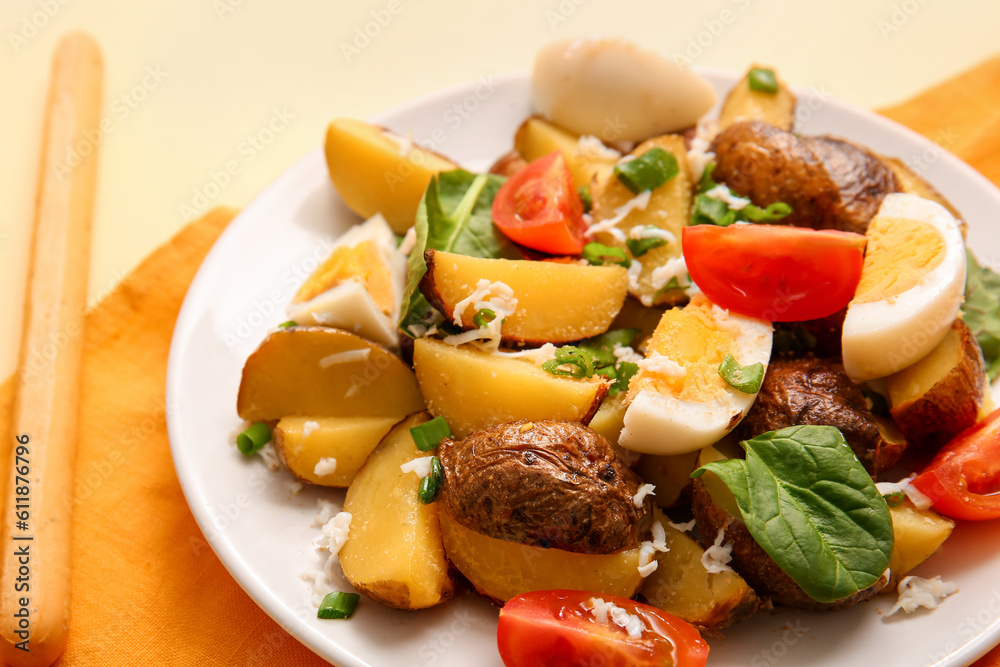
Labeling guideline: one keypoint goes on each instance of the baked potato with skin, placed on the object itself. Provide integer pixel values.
(813, 391)
(753, 563)
(861, 177)
(745, 103)
(940, 395)
(543, 483)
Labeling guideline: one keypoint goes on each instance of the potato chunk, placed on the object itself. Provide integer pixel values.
(537, 137)
(373, 176)
(321, 372)
(744, 103)
(556, 302)
(473, 390)
(302, 442)
(940, 395)
(918, 534)
(682, 586)
(394, 552)
(500, 569)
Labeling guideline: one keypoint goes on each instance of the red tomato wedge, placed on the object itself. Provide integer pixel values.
(774, 273)
(559, 629)
(964, 474)
(538, 207)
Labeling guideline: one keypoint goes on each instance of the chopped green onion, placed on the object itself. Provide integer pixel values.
(744, 378)
(772, 213)
(431, 484)
(288, 325)
(600, 254)
(626, 370)
(585, 198)
(602, 346)
(483, 317)
(648, 171)
(427, 436)
(639, 247)
(338, 605)
(710, 211)
(894, 499)
(252, 439)
(762, 80)
(579, 360)
(672, 284)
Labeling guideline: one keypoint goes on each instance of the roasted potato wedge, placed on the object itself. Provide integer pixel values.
(811, 391)
(918, 534)
(545, 483)
(546, 313)
(473, 389)
(749, 559)
(669, 209)
(394, 553)
(682, 586)
(499, 569)
(323, 372)
(301, 442)
(940, 395)
(745, 103)
(372, 176)
(537, 137)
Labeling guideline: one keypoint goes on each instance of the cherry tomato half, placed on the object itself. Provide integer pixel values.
(558, 629)
(965, 472)
(774, 273)
(538, 207)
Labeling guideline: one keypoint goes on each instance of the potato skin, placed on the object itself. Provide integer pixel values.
(813, 391)
(862, 179)
(543, 483)
(755, 565)
(768, 165)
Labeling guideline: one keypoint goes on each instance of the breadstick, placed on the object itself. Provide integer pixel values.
(36, 538)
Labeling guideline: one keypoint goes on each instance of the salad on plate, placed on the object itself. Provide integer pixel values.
(658, 370)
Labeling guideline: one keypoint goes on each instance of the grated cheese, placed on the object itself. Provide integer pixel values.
(916, 496)
(659, 538)
(673, 268)
(700, 153)
(634, 271)
(637, 203)
(661, 364)
(591, 147)
(270, 457)
(345, 357)
(626, 353)
(917, 592)
(495, 296)
(295, 487)
(640, 495)
(335, 532)
(605, 611)
(640, 232)
(683, 527)
(325, 466)
(420, 465)
(308, 428)
(647, 564)
(324, 512)
(716, 557)
(725, 195)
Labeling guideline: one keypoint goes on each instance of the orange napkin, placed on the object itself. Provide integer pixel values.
(147, 588)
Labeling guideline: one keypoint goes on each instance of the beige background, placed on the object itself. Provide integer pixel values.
(189, 82)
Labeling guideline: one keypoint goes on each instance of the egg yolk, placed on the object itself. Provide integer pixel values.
(361, 262)
(900, 253)
(692, 338)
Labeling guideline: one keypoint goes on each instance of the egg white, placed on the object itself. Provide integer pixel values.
(657, 423)
(885, 336)
(348, 305)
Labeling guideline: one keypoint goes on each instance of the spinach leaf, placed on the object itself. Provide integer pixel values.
(809, 503)
(981, 311)
(709, 211)
(455, 215)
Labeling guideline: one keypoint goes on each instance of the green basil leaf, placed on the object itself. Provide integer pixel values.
(455, 215)
(809, 503)
(981, 311)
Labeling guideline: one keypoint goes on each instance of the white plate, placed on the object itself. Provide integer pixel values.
(263, 535)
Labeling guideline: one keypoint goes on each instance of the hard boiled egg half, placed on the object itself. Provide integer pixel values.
(912, 286)
(678, 401)
(359, 287)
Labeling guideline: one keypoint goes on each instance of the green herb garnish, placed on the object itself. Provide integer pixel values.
(762, 80)
(744, 378)
(428, 435)
(571, 361)
(599, 254)
(596, 356)
(431, 484)
(639, 247)
(894, 499)
(981, 311)
(288, 325)
(648, 171)
(483, 318)
(808, 502)
(252, 439)
(585, 198)
(338, 605)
